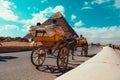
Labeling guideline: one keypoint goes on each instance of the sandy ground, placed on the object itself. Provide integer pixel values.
(15, 43)
(118, 51)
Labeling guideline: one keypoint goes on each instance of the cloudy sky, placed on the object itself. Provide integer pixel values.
(97, 20)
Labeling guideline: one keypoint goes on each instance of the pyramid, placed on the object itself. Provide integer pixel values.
(60, 21)
(57, 15)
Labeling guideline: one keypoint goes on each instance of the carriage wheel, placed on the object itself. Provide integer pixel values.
(62, 59)
(38, 56)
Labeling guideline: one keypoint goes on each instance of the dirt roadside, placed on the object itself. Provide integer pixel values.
(14, 46)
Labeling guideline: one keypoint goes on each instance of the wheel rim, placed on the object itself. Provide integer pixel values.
(38, 56)
(62, 59)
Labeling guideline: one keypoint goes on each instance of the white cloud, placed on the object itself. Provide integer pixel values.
(85, 3)
(73, 17)
(11, 30)
(26, 28)
(59, 8)
(35, 8)
(14, 6)
(117, 3)
(43, 1)
(5, 11)
(43, 15)
(8, 27)
(86, 7)
(99, 1)
(28, 8)
(78, 24)
(101, 35)
(39, 17)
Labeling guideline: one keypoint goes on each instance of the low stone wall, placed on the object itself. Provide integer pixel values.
(7, 49)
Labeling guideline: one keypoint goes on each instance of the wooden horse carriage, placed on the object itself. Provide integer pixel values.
(49, 45)
(57, 41)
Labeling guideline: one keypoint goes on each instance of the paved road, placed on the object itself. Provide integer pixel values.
(17, 66)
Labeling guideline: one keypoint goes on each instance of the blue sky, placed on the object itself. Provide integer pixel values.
(97, 20)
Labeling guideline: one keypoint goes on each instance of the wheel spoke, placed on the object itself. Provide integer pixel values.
(36, 60)
(62, 59)
(38, 56)
(35, 56)
(42, 59)
(39, 61)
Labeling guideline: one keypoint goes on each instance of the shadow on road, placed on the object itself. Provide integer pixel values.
(92, 55)
(6, 58)
(51, 69)
(54, 69)
(47, 68)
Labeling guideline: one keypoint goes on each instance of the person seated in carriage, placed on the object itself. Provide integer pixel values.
(81, 37)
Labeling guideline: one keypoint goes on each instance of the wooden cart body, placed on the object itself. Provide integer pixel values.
(48, 41)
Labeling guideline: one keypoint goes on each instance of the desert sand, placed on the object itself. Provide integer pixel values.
(15, 43)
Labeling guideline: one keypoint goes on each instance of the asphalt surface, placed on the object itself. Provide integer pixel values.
(17, 65)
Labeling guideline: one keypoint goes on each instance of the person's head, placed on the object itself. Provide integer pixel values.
(81, 35)
(38, 24)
